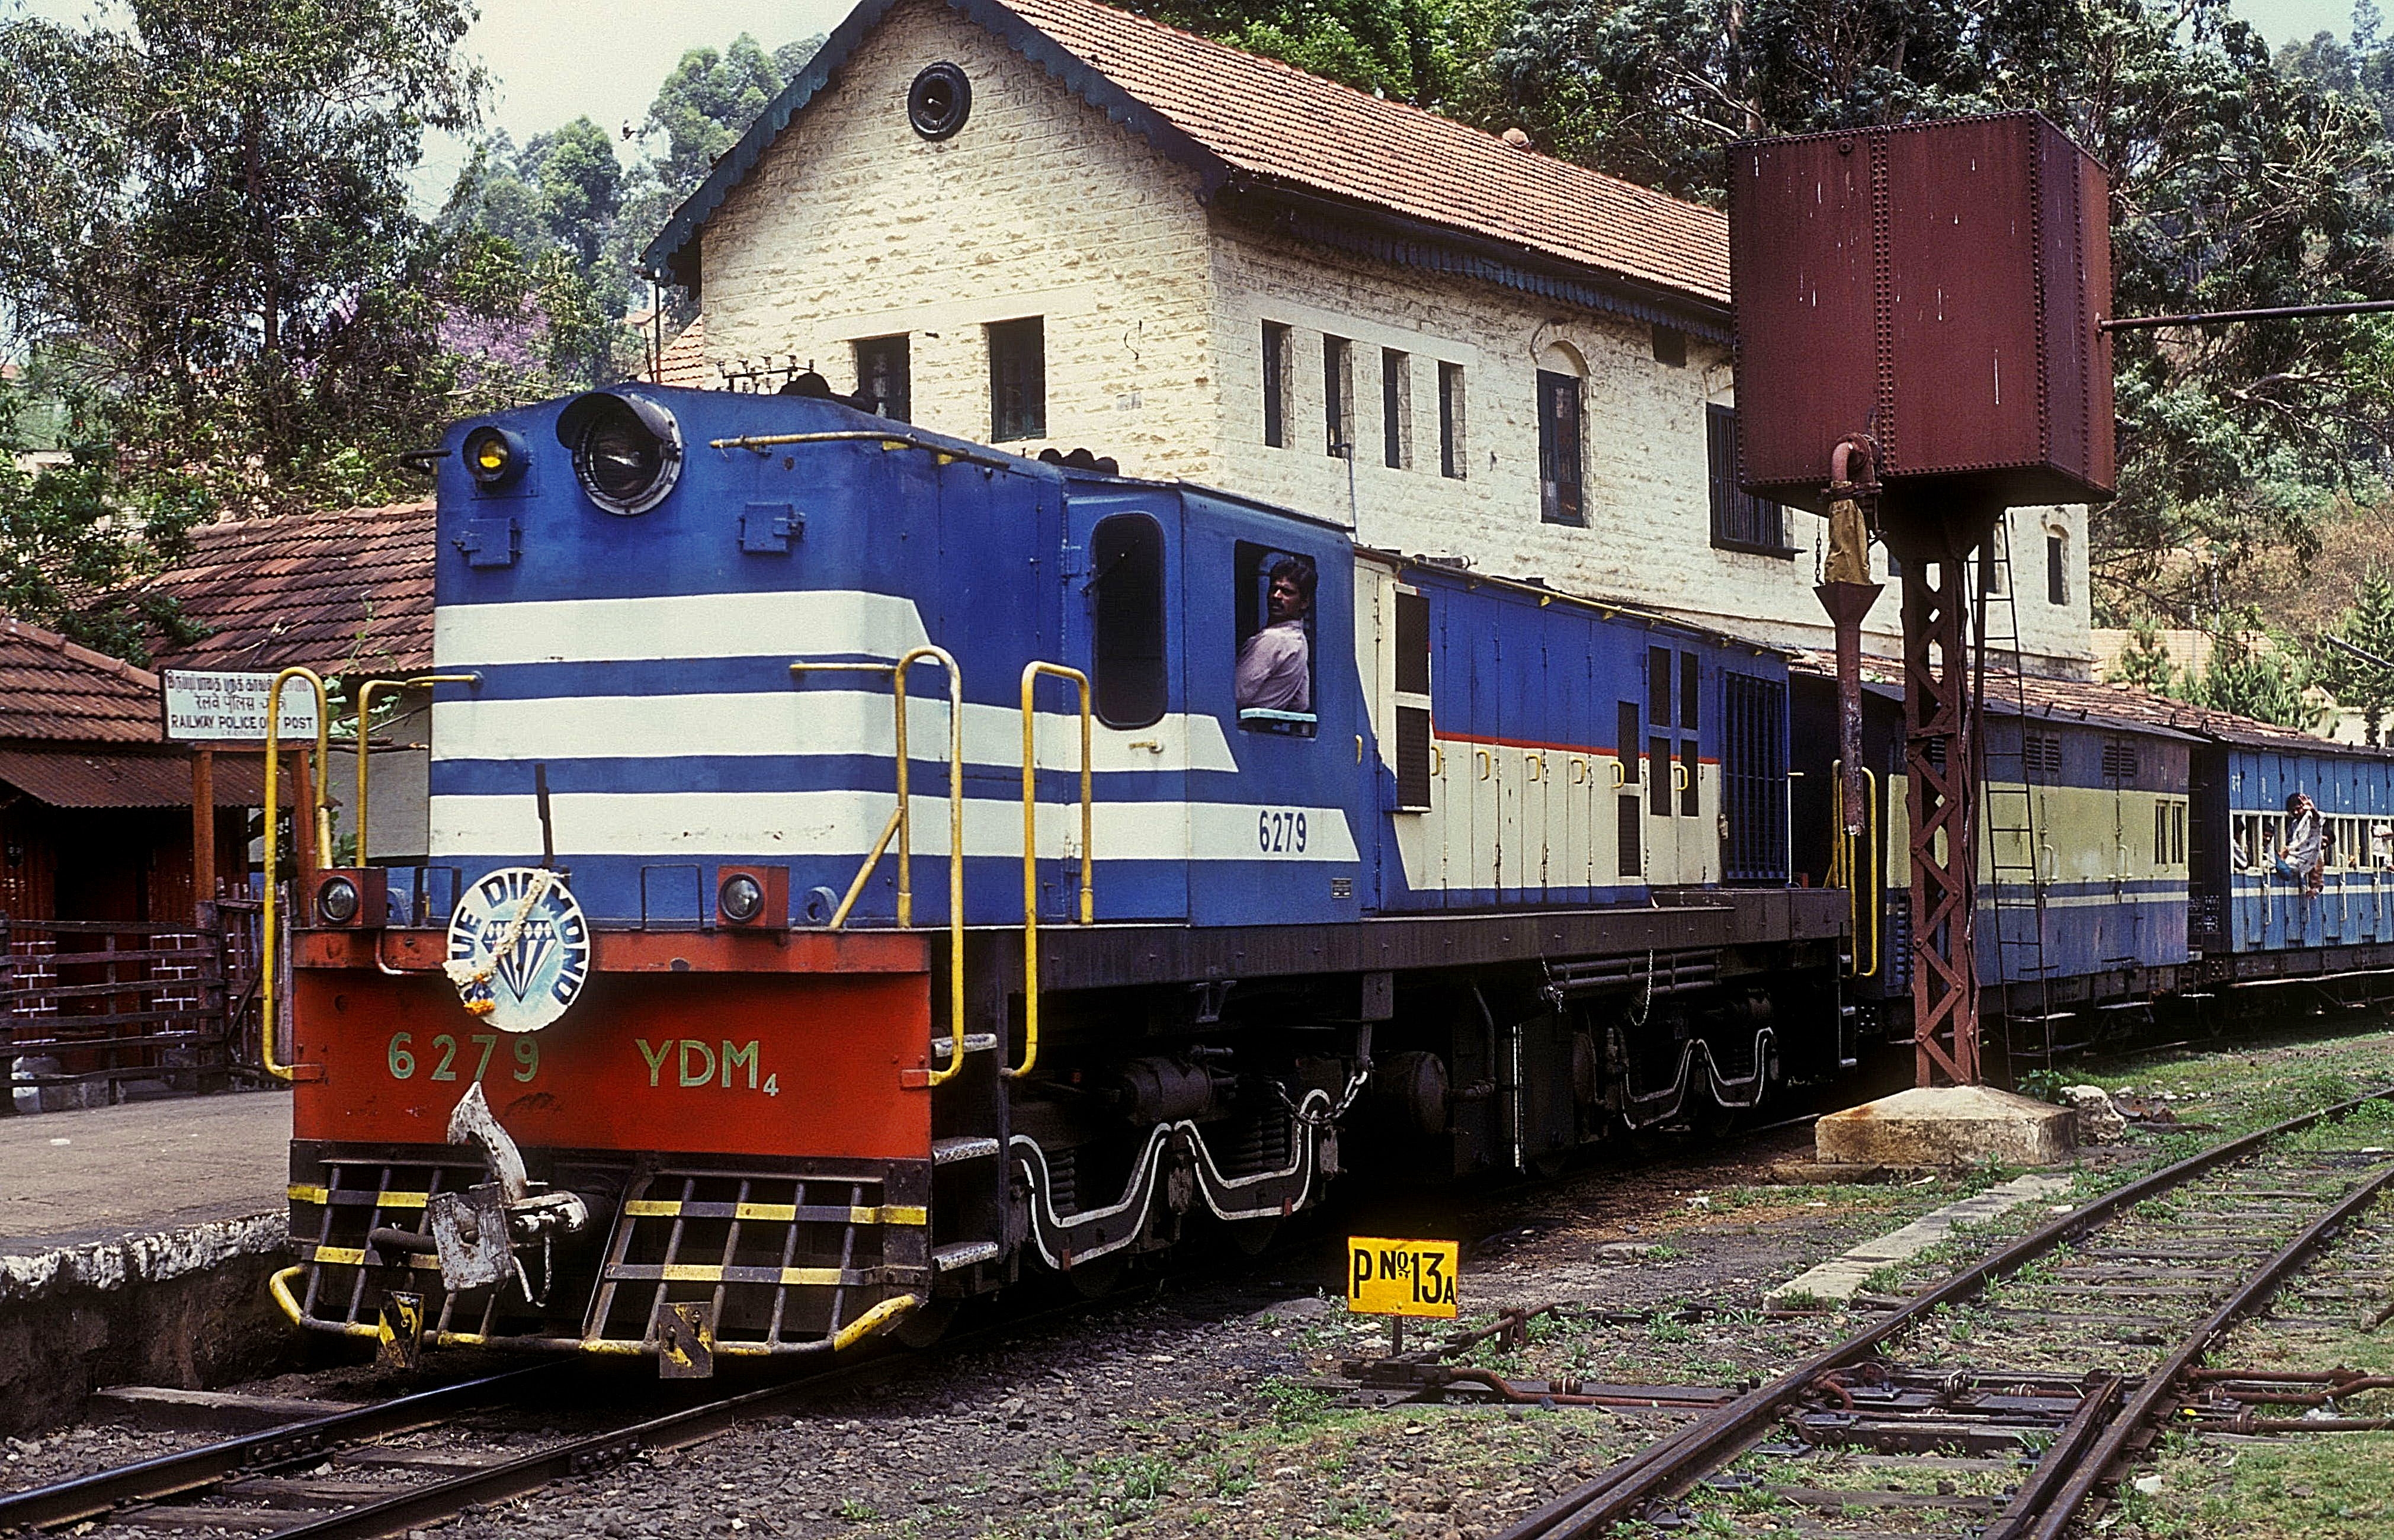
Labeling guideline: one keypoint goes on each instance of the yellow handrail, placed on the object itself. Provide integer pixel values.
(902, 824)
(1031, 849)
(274, 844)
(365, 715)
(1844, 866)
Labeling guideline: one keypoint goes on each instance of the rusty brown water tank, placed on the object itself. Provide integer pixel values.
(1938, 286)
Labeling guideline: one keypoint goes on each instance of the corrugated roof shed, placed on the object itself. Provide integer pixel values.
(1235, 114)
(54, 690)
(2082, 700)
(341, 593)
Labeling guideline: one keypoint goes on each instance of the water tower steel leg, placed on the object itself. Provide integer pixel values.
(1937, 757)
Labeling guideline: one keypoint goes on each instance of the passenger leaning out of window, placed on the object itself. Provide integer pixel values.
(1275, 672)
(2300, 853)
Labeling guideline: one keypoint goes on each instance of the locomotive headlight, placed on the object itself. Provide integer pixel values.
(336, 900)
(741, 897)
(494, 456)
(626, 450)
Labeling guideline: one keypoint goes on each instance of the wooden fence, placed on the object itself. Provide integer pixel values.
(92, 1005)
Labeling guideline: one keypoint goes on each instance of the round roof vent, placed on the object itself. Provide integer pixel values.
(940, 100)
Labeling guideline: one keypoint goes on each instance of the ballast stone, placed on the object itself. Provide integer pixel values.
(1947, 1126)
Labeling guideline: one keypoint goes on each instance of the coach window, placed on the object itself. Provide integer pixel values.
(1017, 379)
(1414, 719)
(1126, 599)
(1627, 830)
(1272, 675)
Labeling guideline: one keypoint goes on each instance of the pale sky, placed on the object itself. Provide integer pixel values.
(554, 60)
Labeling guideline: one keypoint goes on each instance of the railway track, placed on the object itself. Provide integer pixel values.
(2081, 1339)
(416, 1460)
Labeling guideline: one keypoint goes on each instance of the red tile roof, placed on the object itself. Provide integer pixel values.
(341, 593)
(1240, 117)
(684, 359)
(54, 689)
(1278, 122)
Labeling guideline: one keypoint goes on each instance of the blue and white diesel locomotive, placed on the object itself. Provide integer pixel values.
(896, 862)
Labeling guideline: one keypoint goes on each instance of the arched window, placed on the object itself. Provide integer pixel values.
(1128, 687)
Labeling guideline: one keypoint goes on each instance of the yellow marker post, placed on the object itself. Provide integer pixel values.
(1400, 1279)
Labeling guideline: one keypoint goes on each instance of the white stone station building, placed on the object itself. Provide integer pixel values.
(1055, 224)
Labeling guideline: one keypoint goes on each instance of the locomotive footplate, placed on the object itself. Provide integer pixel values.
(688, 1260)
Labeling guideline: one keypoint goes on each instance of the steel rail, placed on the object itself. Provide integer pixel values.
(1619, 1494)
(103, 1492)
(2159, 1386)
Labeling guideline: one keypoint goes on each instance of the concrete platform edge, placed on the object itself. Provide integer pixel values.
(155, 1257)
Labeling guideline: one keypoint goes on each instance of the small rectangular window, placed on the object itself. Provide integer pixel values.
(1671, 346)
(1451, 463)
(1017, 379)
(1658, 685)
(883, 373)
(1338, 395)
(1276, 385)
(2178, 835)
(2160, 834)
(1690, 779)
(2057, 570)
(1691, 690)
(1740, 521)
(1396, 409)
(1560, 449)
(1625, 733)
(1658, 777)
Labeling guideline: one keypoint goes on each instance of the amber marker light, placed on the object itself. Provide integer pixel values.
(493, 457)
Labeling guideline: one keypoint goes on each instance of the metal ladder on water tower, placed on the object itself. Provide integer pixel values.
(2009, 829)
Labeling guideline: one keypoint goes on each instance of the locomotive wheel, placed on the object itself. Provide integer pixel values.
(1098, 1279)
(1252, 1236)
(927, 1324)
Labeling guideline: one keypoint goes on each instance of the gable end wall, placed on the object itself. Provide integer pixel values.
(853, 225)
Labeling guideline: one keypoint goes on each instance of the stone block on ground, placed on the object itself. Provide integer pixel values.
(1947, 1126)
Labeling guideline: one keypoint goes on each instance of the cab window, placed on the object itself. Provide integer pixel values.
(1272, 673)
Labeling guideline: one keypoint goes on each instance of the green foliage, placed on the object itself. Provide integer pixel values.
(706, 104)
(2144, 663)
(2234, 183)
(1430, 53)
(2367, 624)
(209, 223)
(2270, 683)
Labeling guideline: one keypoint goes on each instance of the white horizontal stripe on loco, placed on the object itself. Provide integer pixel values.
(665, 824)
(805, 625)
(806, 721)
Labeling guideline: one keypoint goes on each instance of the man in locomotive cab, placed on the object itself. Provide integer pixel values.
(1275, 668)
(2302, 852)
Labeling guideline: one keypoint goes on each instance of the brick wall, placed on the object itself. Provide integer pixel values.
(853, 225)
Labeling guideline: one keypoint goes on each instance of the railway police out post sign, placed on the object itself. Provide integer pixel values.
(1401, 1278)
(209, 705)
